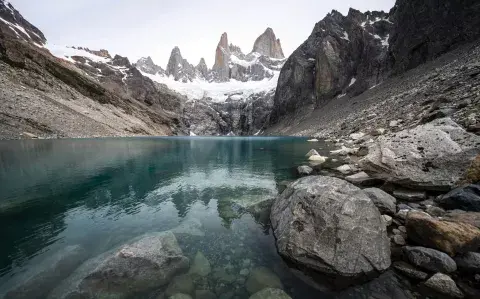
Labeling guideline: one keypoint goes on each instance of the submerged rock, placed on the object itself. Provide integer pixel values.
(331, 226)
(180, 284)
(446, 236)
(270, 293)
(432, 156)
(430, 259)
(144, 263)
(200, 266)
(465, 198)
(48, 274)
(261, 278)
(190, 226)
(205, 294)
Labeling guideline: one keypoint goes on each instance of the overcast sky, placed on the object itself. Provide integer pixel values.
(136, 28)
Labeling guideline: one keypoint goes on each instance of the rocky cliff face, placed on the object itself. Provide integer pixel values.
(346, 55)
(179, 68)
(147, 65)
(13, 24)
(221, 71)
(267, 44)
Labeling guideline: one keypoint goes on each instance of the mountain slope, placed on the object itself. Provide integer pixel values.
(50, 97)
(346, 56)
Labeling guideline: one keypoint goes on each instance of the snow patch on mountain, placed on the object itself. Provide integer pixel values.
(217, 91)
(67, 53)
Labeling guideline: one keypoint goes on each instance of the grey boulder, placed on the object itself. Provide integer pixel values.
(430, 259)
(385, 203)
(444, 285)
(331, 226)
(433, 156)
(270, 294)
(465, 198)
(304, 170)
(469, 262)
(144, 263)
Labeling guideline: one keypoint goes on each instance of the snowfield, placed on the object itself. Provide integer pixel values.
(67, 53)
(219, 92)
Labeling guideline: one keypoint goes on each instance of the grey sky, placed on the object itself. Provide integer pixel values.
(137, 28)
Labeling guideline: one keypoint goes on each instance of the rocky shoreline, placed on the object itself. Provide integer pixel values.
(415, 211)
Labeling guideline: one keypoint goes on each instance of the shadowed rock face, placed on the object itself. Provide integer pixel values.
(347, 55)
(147, 65)
(9, 17)
(267, 44)
(179, 68)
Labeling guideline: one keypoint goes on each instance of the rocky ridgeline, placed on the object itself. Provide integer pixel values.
(407, 202)
(14, 25)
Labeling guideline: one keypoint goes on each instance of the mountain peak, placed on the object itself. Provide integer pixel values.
(12, 23)
(267, 44)
(222, 57)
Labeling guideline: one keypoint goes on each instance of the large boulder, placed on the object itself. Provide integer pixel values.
(469, 262)
(48, 274)
(430, 259)
(431, 157)
(144, 263)
(385, 203)
(330, 226)
(446, 236)
(465, 198)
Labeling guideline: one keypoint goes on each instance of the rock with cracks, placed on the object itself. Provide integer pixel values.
(330, 226)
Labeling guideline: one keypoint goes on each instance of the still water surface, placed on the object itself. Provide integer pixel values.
(99, 193)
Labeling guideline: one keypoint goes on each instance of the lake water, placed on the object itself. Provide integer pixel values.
(99, 193)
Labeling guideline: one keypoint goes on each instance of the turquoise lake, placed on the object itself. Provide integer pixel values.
(100, 193)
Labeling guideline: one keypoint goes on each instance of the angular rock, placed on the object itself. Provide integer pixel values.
(410, 271)
(399, 240)
(267, 44)
(362, 179)
(261, 278)
(222, 58)
(331, 226)
(270, 293)
(431, 157)
(465, 198)
(200, 266)
(317, 158)
(179, 68)
(385, 203)
(304, 170)
(144, 263)
(180, 296)
(450, 237)
(469, 262)
(444, 285)
(410, 195)
(345, 169)
(435, 211)
(387, 219)
(430, 259)
(312, 152)
(189, 226)
(48, 274)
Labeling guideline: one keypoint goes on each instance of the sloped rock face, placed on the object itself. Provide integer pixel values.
(246, 117)
(331, 226)
(202, 69)
(267, 44)
(343, 55)
(426, 29)
(179, 68)
(145, 263)
(9, 17)
(369, 47)
(222, 58)
(433, 156)
(147, 65)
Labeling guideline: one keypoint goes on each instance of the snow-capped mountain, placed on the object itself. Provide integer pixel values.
(235, 96)
(13, 23)
(234, 75)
